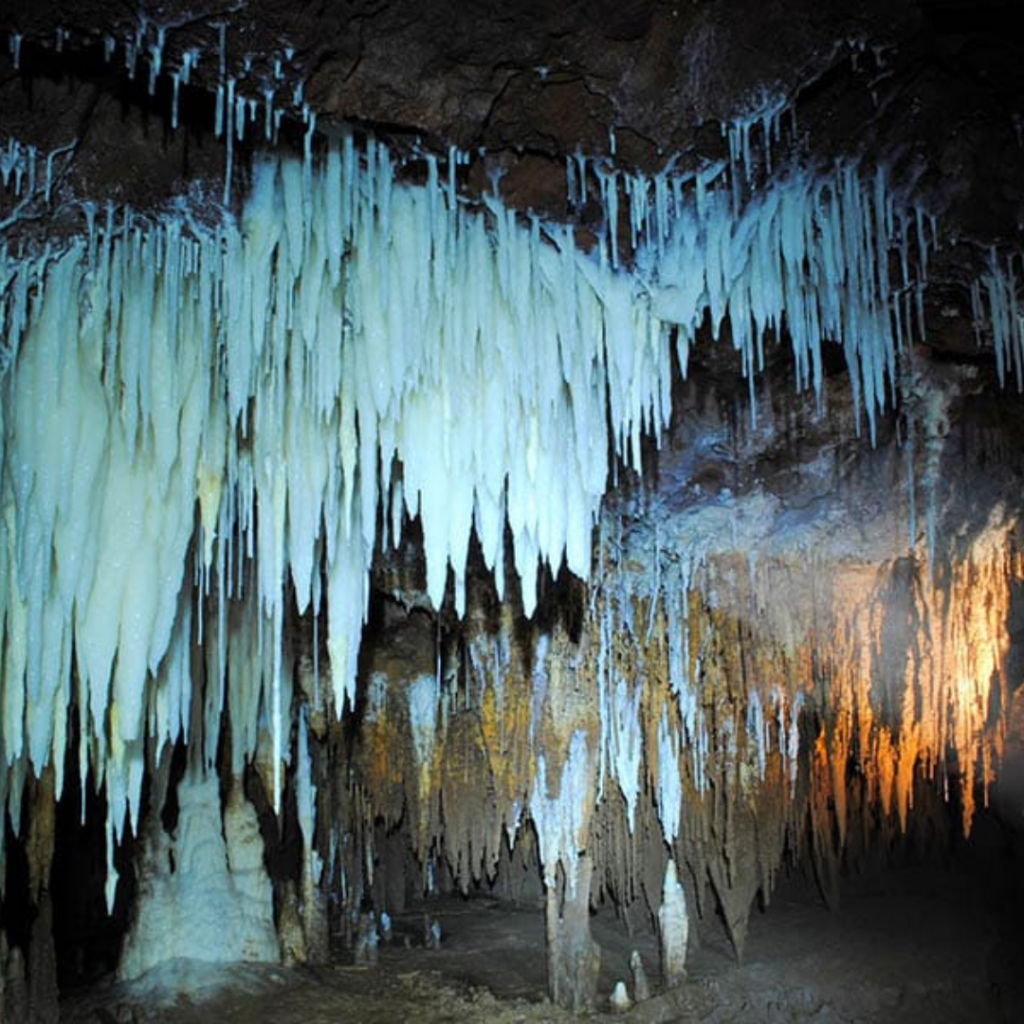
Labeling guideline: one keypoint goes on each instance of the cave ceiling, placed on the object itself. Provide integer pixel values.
(931, 89)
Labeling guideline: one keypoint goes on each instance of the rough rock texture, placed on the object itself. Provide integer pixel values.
(574, 959)
(931, 87)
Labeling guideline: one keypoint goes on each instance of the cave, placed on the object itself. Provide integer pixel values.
(511, 512)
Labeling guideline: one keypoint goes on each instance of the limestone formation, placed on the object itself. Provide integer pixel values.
(673, 927)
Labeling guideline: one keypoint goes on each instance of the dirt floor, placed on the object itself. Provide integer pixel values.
(939, 942)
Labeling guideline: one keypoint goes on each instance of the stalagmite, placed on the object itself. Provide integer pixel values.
(43, 1003)
(673, 927)
(641, 986)
(366, 948)
(619, 999)
(291, 934)
(204, 891)
(574, 959)
(14, 992)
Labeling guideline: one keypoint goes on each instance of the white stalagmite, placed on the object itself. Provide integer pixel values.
(204, 892)
(673, 926)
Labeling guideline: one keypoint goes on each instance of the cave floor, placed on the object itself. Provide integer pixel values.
(913, 944)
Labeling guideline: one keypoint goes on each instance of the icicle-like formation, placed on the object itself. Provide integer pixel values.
(806, 251)
(722, 722)
(266, 375)
(767, 117)
(915, 710)
(670, 787)
(150, 41)
(626, 744)
(17, 162)
(561, 819)
(29, 176)
(305, 788)
(997, 303)
(14, 47)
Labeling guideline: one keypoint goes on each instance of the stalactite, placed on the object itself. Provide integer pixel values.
(205, 428)
(311, 898)
(498, 679)
(997, 307)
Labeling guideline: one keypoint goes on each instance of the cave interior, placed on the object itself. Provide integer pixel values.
(511, 512)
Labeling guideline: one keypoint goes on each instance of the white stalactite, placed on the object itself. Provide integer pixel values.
(271, 372)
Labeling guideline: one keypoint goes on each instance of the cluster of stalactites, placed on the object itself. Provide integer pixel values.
(701, 715)
(996, 303)
(628, 719)
(687, 704)
(715, 697)
(803, 252)
(903, 710)
(247, 393)
(351, 352)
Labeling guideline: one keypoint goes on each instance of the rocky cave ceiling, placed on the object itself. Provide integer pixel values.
(795, 619)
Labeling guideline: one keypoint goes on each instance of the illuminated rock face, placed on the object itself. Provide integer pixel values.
(644, 617)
